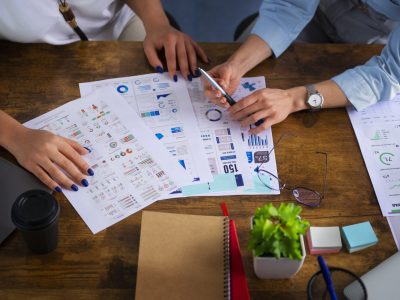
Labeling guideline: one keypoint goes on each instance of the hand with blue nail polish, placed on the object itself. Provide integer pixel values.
(57, 161)
(180, 50)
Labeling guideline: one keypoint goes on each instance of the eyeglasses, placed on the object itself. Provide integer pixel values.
(303, 195)
(347, 285)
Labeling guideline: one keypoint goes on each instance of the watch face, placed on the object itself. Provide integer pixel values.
(315, 100)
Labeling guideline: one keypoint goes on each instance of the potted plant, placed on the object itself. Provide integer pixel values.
(277, 240)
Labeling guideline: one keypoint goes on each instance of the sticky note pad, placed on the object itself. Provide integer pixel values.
(324, 240)
(358, 236)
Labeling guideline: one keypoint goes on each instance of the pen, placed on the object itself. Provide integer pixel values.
(327, 277)
(228, 98)
(217, 86)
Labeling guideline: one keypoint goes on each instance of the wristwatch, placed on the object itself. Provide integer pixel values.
(315, 99)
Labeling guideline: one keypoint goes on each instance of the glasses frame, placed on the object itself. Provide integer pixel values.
(295, 189)
(334, 269)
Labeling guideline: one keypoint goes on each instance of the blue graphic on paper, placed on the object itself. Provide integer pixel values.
(176, 129)
(255, 141)
(159, 136)
(250, 87)
(229, 157)
(182, 162)
(174, 110)
(150, 114)
(162, 96)
(249, 156)
(122, 89)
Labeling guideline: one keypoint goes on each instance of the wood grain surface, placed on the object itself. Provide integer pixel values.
(36, 78)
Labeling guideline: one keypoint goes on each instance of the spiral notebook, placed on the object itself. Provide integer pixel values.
(183, 257)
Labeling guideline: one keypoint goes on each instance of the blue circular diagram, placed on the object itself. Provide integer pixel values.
(122, 89)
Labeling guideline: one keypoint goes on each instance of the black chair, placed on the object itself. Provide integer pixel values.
(243, 25)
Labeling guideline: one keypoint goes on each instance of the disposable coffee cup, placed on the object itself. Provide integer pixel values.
(35, 213)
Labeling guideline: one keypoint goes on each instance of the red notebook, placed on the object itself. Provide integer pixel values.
(238, 282)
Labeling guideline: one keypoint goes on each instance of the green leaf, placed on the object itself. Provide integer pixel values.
(277, 231)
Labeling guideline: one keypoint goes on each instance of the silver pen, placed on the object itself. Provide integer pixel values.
(217, 86)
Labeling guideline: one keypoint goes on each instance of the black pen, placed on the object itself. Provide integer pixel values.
(228, 98)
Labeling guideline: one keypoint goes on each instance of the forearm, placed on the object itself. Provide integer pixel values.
(150, 12)
(333, 96)
(9, 127)
(252, 52)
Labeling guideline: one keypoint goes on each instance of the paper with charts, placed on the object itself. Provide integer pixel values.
(222, 150)
(162, 105)
(257, 147)
(131, 169)
(378, 134)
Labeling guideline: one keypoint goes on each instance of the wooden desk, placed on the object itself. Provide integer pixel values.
(37, 78)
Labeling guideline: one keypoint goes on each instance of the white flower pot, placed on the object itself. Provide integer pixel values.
(273, 268)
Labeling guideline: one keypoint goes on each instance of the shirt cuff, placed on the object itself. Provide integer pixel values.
(277, 39)
(356, 89)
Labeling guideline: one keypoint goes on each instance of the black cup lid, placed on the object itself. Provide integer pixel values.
(34, 210)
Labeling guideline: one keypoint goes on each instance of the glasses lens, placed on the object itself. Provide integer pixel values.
(307, 196)
(347, 286)
(269, 180)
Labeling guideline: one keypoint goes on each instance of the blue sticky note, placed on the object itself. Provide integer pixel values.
(223, 182)
(359, 236)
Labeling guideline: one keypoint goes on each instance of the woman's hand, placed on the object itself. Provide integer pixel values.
(179, 49)
(228, 78)
(270, 105)
(55, 160)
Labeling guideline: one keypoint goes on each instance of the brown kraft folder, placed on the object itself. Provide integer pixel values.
(183, 257)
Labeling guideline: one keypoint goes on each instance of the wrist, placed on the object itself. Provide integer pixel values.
(240, 66)
(12, 136)
(299, 97)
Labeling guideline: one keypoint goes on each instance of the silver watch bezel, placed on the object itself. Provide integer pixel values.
(311, 90)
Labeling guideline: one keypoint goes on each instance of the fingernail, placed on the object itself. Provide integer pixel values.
(197, 73)
(84, 182)
(175, 78)
(58, 189)
(159, 69)
(90, 172)
(88, 149)
(189, 77)
(74, 187)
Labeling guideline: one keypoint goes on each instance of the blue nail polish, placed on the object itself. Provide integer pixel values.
(159, 69)
(259, 122)
(90, 172)
(58, 189)
(175, 78)
(84, 182)
(197, 73)
(74, 187)
(189, 77)
(87, 149)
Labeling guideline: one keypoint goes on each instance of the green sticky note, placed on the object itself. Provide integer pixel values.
(195, 189)
(223, 182)
(259, 187)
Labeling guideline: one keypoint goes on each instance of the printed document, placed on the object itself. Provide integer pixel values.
(131, 168)
(258, 146)
(378, 132)
(165, 107)
(217, 159)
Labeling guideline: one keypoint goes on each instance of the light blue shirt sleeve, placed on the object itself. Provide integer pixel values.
(280, 22)
(376, 80)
